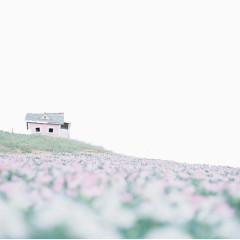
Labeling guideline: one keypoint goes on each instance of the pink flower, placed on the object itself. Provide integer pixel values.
(126, 197)
(58, 184)
(1, 166)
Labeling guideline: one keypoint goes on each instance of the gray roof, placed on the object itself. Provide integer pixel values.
(54, 118)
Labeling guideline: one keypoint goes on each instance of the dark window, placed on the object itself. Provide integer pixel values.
(64, 126)
(37, 129)
(51, 130)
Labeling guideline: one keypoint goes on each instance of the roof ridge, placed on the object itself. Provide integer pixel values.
(57, 118)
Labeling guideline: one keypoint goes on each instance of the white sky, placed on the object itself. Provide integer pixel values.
(157, 79)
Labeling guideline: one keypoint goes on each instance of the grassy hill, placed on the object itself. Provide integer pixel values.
(23, 143)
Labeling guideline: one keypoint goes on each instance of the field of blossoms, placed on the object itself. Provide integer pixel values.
(104, 195)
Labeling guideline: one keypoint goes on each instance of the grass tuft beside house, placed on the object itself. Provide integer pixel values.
(23, 143)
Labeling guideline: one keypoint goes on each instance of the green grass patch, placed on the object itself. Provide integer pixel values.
(23, 143)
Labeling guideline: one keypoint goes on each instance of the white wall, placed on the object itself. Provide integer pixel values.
(64, 133)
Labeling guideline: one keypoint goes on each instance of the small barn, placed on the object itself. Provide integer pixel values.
(50, 124)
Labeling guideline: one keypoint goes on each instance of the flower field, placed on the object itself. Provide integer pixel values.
(104, 195)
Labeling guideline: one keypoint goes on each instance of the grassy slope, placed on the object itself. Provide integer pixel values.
(22, 143)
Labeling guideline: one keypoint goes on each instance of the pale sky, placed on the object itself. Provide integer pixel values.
(155, 79)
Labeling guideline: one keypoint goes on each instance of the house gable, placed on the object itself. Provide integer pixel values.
(45, 117)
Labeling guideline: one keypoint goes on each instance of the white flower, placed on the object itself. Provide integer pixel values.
(112, 211)
(79, 220)
(11, 222)
(228, 229)
(167, 232)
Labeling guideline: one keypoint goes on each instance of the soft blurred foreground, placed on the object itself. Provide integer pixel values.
(105, 195)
